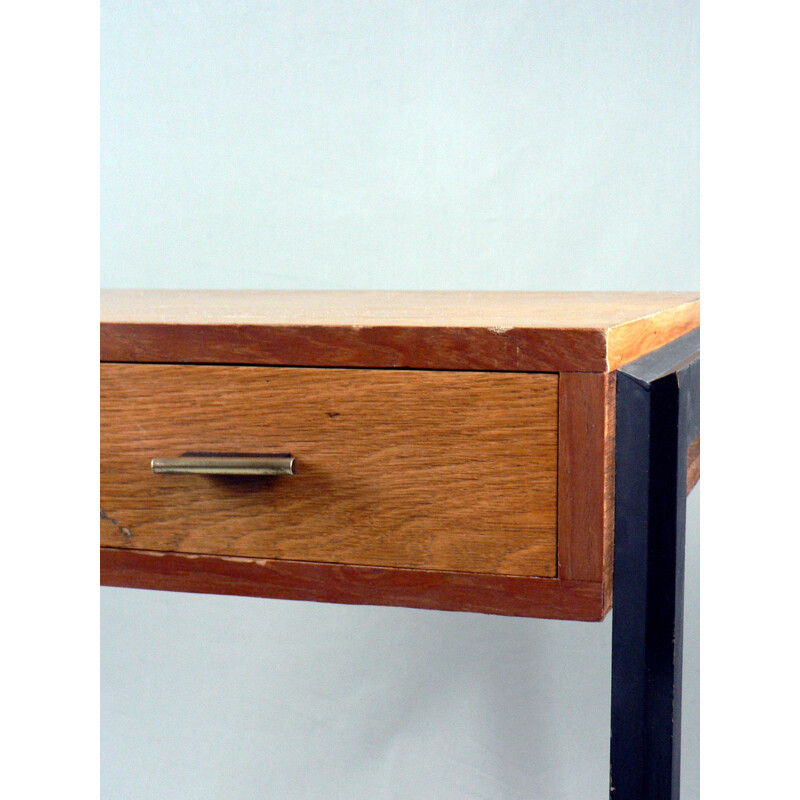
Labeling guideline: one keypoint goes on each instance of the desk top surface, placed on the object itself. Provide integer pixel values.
(538, 331)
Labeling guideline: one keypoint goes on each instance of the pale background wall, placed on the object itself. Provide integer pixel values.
(408, 145)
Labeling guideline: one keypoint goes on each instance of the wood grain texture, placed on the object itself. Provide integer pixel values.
(693, 465)
(433, 470)
(631, 340)
(514, 331)
(609, 492)
(340, 583)
(586, 477)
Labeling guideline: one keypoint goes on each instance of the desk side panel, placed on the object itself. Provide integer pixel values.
(586, 436)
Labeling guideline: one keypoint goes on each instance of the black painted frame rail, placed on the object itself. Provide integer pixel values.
(658, 417)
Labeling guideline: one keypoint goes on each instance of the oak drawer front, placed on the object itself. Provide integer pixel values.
(426, 470)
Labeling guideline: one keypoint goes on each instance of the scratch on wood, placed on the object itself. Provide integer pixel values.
(126, 532)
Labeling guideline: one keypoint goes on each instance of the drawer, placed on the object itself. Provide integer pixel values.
(425, 470)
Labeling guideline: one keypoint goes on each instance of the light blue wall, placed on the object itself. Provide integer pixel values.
(400, 145)
(407, 145)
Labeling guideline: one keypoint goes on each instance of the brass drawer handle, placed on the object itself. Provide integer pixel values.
(225, 464)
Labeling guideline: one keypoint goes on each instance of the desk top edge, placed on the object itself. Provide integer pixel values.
(589, 331)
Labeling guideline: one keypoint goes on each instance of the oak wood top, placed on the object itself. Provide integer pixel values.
(529, 331)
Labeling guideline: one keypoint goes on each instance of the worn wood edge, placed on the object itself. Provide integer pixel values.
(586, 438)
(547, 598)
(693, 465)
(636, 338)
(376, 347)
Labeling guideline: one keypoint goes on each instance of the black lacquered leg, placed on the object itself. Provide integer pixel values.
(657, 419)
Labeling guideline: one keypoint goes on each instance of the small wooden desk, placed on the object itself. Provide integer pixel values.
(505, 453)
